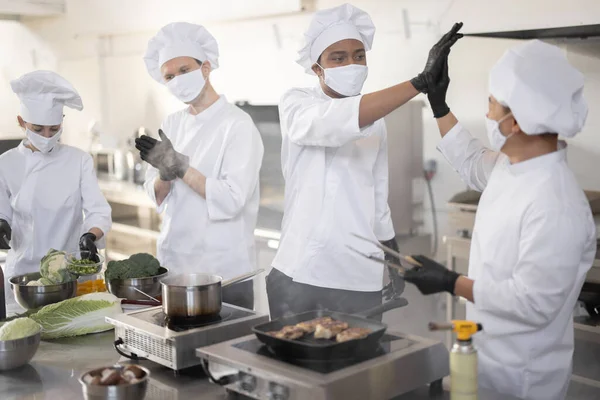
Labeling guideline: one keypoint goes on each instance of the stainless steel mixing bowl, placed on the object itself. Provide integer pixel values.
(18, 352)
(30, 297)
(131, 391)
(123, 288)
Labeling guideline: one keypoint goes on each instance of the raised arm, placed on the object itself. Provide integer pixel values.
(317, 121)
(467, 155)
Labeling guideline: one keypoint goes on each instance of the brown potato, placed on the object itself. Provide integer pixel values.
(137, 372)
(110, 378)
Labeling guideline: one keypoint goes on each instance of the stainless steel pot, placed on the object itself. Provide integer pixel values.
(196, 295)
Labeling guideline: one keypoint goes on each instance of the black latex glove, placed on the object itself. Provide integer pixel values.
(435, 61)
(162, 156)
(432, 277)
(5, 234)
(396, 285)
(87, 242)
(437, 93)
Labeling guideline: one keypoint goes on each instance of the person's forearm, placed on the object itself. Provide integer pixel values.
(446, 123)
(161, 190)
(196, 181)
(376, 105)
(464, 288)
(96, 232)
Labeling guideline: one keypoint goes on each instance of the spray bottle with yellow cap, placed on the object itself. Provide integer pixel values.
(463, 359)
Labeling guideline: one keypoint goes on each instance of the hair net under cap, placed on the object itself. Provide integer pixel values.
(43, 95)
(543, 91)
(332, 25)
(180, 39)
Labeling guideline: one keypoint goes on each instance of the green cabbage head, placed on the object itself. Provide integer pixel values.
(19, 328)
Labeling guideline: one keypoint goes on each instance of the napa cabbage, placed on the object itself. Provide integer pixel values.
(77, 316)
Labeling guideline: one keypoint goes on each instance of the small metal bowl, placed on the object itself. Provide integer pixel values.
(123, 288)
(18, 352)
(30, 297)
(95, 268)
(135, 391)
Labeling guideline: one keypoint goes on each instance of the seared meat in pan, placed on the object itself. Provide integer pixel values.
(310, 326)
(328, 330)
(288, 332)
(352, 334)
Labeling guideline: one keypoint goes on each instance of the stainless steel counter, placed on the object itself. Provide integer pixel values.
(53, 374)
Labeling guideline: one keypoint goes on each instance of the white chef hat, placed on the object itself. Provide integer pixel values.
(43, 95)
(543, 91)
(332, 25)
(180, 39)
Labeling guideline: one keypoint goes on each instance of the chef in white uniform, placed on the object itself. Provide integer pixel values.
(335, 165)
(49, 194)
(534, 237)
(205, 165)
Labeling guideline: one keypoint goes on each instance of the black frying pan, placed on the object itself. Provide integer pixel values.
(309, 348)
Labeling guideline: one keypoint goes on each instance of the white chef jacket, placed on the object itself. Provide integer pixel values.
(533, 242)
(336, 184)
(49, 200)
(213, 235)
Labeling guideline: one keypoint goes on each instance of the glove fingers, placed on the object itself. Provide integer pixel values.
(453, 31)
(420, 259)
(148, 139)
(139, 147)
(453, 40)
(145, 143)
(162, 135)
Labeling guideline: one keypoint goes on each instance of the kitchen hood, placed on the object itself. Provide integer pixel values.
(570, 32)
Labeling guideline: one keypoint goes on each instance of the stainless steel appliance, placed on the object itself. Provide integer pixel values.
(149, 334)
(402, 363)
(110, 164)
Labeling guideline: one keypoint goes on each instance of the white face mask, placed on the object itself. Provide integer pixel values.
(347, 80)
(496, 138)
(188, 86)
(43, 144)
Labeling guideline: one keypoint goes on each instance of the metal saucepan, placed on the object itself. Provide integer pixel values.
(188, 296)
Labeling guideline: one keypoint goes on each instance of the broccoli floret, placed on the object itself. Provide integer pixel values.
(137, 266)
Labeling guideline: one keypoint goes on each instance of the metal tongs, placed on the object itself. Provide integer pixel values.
(387, 250)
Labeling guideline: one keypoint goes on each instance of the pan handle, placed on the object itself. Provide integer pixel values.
(387, 306)
(241, 278)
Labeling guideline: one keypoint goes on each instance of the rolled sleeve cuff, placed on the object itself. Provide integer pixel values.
(384, 231)
(213, 204)
(104, 224)
(149, 186)
(453, 144)
(6, 218)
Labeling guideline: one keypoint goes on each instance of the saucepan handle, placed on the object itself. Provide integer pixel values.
(241, 278)
(387, 306)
